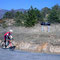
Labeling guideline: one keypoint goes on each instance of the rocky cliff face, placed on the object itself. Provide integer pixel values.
(41, 48)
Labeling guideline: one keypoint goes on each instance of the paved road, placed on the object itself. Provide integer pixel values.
(19, 55)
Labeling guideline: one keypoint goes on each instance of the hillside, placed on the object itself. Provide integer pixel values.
(34, 34)
(3, 11)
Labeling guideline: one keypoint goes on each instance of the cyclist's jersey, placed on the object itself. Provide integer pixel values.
(6, 35)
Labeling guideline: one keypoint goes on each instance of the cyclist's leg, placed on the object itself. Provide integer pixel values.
(5, 41)
(10, 43)
(7, 44)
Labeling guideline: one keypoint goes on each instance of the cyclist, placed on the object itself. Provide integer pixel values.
(7, 38)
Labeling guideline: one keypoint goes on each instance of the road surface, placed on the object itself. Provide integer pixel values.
(6, 54)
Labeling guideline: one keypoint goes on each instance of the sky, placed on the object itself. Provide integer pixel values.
(26, 4)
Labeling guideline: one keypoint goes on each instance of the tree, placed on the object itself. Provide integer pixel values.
(38, 15)
(45, 11)
(9, 14)
(17, 14)
(33, 17)
(53, 17)
(20, 19)
(12, 13)
(6, 15)
(57, 8)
